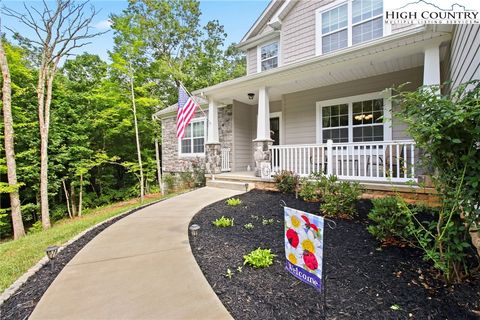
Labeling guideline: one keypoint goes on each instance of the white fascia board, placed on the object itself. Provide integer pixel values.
(257, 22)
(255, 41)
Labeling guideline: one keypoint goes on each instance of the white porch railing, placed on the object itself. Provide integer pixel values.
(367, 161)
(225, 157)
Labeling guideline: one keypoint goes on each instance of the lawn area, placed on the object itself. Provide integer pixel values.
(19, 256)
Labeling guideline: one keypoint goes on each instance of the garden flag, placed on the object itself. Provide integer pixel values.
(186, 109)
(304, 246)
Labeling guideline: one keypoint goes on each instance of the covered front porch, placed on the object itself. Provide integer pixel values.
(327, 115)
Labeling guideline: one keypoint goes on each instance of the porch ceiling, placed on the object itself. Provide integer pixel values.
(389, 54)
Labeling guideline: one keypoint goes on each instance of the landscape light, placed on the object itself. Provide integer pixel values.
(194, 229)
(51, 252)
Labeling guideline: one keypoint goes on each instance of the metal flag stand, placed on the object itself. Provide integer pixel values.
(332, 225)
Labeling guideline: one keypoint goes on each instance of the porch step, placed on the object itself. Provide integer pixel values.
(231, 185)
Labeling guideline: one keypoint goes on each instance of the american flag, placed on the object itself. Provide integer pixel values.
(186, 109)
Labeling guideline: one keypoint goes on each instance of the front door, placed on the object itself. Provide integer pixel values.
(275, 130)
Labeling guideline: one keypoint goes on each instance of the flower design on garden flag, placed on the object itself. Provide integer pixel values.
(304, 246)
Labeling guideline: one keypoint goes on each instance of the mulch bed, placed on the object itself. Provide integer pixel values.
(363, 280)
(22, 303)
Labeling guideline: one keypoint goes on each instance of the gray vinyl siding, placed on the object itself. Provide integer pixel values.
(465, 54)
(252, 60)
(298, 31)
(300, 107)
(242, 136)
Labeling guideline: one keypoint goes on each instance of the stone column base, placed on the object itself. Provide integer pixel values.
(261, 154)
(213, 161)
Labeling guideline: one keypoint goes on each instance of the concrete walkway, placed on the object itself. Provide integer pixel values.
(139, 268)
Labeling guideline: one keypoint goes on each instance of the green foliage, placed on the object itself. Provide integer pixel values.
(223, 222)
(340, 198)
(169, 180)
(389, 219)
(447, 129)
(36, 227)
(5, 223)
(286, 181)
(186, 179)
(198, 174)
(229, 273)
(248, 226)
(259, 258)
(267, 221)
(233, 202)
(309, 190)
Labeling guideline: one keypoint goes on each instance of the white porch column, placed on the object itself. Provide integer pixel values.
(213, 150)
(212, 133)
(263, 118)
(261, 151)
(431, 66)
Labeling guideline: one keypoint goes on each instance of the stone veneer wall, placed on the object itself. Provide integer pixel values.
(170, 159)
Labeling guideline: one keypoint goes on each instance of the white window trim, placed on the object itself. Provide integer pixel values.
(387, 113)
(194, 155)
(259, 54)
(318, 26)
(280, 120)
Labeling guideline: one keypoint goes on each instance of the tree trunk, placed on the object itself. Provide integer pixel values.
(17, 222)
(67, 198)
(159, 169)
(74, 201)
(80, 196)
(137, 138)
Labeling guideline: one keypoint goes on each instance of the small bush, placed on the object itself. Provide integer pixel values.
(267, 221)
(309, 190)
(223, 222)
(169, 181)
(5, 223)
(286, 181)
(186, 179)
(233, 202)
(36, 227)
(259, 258)
(389, 219)
(340, 198)
(248, 226)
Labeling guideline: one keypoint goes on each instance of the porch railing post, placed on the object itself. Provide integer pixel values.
(329, 157)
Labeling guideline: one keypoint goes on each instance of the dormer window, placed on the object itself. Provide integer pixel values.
(347, 23)
(268, 56)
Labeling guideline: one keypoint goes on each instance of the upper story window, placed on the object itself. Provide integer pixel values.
(349, 23)
(268, 56)
(193, 142)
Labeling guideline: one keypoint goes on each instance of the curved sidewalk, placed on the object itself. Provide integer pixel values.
(139, 268)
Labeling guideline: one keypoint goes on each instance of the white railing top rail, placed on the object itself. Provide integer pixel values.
(367, 143)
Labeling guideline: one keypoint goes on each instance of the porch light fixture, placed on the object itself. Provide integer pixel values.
(51, 252)
(194, 230)
(251, 95)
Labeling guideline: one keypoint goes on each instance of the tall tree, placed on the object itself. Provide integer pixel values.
(17, 222)
(58, 31)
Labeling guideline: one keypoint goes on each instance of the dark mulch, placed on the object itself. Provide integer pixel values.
(363, 281)
(22, 303)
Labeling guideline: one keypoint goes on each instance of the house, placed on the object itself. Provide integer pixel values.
(316, 98)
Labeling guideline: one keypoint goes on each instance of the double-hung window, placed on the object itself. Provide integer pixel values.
(193, 142)
(268, 56)
(354, 119)
(350, 23)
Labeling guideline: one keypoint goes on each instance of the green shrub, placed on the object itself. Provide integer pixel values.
(341, 198)
(248, 226)
(286, 181)
(169, 181)
(186, 179)
(198, 173)
(223, 222)
(5, 223)
(389, 219)
(259, 258)
(309, 190)
(267, 221)
(233, 202)
(446, 128)
(36, 227)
